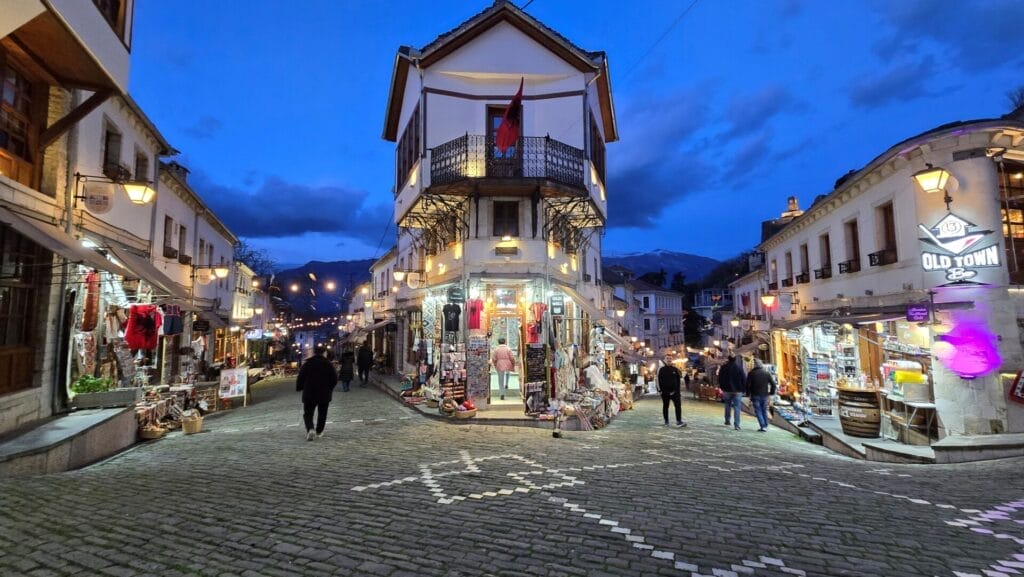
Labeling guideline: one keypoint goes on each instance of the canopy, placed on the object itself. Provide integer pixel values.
(148, 272)
(59, 242)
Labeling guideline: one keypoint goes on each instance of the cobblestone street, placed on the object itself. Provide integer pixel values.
(389, 493)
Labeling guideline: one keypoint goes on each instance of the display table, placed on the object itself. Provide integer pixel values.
(911, 422)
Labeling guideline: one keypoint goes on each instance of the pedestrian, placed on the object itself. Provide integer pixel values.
(732, 381)
(686, 381)
(669, 381)
(364, 360)
(317, 379)
(347, 369)
(760, 386)
(504, 361)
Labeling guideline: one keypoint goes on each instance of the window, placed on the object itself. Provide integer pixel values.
(647, 302)
(112, 152)
(886, 226)
(209, 254)
(774, 271)
(506, 164)
(20, 282)
(202, 253)
(1011, 194)
(113, 13)
(506, 219)
(852, 241)
(168, 232)
(805, 263)
(408, 150)
(182, 241)
(141, 167)
(647, 324)
(596, 149)
(825, 248)
(15, 113)
(789, 265)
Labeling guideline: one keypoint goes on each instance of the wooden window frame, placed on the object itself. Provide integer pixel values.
(505, 218)
(597, 150)
(407, 150)
(20, 279)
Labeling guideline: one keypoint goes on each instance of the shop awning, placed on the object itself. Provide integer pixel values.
(59, 242)
(595, 313)
(148, 272)
(622, 342)
(214, 319)
(182, 303)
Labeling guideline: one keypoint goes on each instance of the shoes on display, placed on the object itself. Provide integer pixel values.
(680, 424)
(310, 435)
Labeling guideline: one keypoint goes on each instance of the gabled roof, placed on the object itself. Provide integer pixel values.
(642, 286)
(500, 11)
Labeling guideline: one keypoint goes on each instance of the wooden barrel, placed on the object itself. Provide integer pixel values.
(859, 412)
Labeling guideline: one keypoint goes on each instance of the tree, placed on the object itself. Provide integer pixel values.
(693, 329)
(655, 278)
(1016, 97)
(678, 282)
(257, 259)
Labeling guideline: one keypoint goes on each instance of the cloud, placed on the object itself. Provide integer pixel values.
(657, 162)
(749, 113)
(205, 128)
(975, 35)
(901, 83)
(278, 209)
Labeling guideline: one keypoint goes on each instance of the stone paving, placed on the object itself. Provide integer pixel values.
(390, 493)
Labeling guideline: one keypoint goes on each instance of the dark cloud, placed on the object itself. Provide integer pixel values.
(657, 161)
(750, 156)
(901, 83)
(749, 113)
(974, 34)
(280, 209)
(205, 128)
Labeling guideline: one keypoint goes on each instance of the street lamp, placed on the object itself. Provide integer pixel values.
(137, 191)
(932, 178)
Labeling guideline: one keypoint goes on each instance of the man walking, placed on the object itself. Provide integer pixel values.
(317, 379)
(364, 360)
(669, 380)
(732, 381)
(760, 386)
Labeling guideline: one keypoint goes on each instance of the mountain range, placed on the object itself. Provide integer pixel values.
(347, 274)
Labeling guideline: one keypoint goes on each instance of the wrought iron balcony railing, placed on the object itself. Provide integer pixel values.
(824, 272)
(803, 278)
(787, 282)
(882, 257)
(852, 265)
(476, 156)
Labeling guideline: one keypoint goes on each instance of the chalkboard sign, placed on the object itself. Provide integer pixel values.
(536, 357)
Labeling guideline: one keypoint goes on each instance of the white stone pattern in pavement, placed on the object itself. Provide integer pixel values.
(709, 453)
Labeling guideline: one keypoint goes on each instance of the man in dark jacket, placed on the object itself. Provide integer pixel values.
(347, 369)
(364, 360)
(317, 379)
(732, 381)
(760, 386)
(669, 380)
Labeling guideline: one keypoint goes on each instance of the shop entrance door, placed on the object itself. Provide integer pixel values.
(510, 329)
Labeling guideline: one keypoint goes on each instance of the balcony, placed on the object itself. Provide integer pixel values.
(773, 286)
(185, 258)
(823, 272)
(474, 156)
(882, 257)
(787, 282)
(852, 265)
(803, 278)
(170, 252)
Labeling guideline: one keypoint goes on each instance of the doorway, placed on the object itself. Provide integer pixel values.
(508, 328)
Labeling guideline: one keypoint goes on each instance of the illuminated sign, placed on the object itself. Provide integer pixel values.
(957, 254)
(918, 313)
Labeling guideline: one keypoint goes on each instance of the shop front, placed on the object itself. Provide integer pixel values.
(460, 342)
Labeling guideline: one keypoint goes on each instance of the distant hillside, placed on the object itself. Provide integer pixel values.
(345, 274)
(694, 267)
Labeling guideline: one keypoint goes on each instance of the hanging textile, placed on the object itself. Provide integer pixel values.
(91, 313)
(143, 324)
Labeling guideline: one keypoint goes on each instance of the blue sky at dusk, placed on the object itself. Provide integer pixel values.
(278, 107)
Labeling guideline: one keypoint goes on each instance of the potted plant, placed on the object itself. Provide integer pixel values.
(95, 392)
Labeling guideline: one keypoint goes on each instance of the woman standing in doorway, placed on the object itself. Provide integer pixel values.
(504, 361)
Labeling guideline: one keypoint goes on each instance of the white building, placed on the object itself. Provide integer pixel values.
(847, 272)
(512, 229)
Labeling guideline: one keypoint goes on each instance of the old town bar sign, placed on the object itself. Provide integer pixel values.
(955, 251)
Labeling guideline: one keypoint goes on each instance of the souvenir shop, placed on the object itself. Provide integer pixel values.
(129, 346)
(872, 373)
(462, 341)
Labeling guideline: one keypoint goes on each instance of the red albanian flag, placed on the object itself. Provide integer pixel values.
(508, 130)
